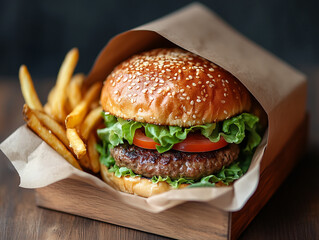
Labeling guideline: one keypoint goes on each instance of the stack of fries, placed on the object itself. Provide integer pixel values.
(69, 119)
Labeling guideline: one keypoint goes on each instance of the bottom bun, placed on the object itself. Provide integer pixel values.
(140, 186)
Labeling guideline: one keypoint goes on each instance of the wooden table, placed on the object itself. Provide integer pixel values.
(292, 213)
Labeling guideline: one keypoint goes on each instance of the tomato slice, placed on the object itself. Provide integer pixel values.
(141, 140)
(194, 142)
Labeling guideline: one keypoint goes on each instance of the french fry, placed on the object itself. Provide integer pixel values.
(93, 154)
(27, 88)
(52, 125)
(85, 162)
(47, 109)
(75, 118)
(76, 142)
(75, 90)
(90, 122)
(77, 115)
(34, 123)
(57, 101)
(69, 102)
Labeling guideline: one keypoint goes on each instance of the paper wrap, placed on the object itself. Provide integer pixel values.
(279, 89)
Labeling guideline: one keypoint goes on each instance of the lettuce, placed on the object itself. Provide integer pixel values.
(233, 130)
(240, 129)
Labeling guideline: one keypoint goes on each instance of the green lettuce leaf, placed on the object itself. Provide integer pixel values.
(232, 130)
(174, 183)
(122, 171)
(240, 129)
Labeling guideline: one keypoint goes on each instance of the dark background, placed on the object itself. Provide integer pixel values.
(39, 33)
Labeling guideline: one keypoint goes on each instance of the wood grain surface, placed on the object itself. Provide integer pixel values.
(194, 219)
(292, 213)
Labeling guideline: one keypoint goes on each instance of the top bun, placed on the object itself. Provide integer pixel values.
(173, 87)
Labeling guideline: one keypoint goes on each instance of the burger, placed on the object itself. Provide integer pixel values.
(173, 120)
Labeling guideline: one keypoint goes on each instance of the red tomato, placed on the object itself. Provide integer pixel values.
(141, 140)
(194, 142)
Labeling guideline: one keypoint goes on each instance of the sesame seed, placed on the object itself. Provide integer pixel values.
(225, 111)
(192, 102)
(211, 69)
(144, 90)
(198, 100)
(129, 87)
(116, 92)
(182, 90)
(222, 101)
(194, 84)
(194, 116)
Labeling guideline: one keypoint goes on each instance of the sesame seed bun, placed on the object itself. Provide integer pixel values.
(173, 87)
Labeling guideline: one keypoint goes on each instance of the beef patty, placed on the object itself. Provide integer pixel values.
(174, 164)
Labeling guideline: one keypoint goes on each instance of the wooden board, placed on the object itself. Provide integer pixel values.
(190, 220)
